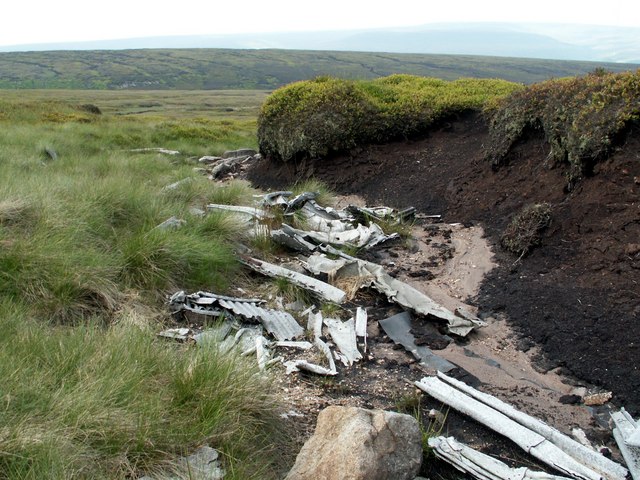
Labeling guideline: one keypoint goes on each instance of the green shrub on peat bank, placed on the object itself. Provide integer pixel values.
(316, 117)
(581, 118)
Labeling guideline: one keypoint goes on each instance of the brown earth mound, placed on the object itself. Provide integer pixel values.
(577, 295)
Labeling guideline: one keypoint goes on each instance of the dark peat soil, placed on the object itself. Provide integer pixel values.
(577, 295)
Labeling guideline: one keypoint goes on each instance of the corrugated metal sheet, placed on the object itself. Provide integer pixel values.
(280, 324)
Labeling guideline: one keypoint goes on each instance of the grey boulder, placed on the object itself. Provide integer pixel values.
(356, 444)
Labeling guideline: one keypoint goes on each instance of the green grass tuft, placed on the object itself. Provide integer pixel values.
(86, 402)
(325, 195)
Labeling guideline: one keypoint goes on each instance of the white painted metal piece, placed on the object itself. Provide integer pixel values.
(530, 441)
(625, 428)
(344, 336)
(322, 289)
(480, 465)
(591, 458)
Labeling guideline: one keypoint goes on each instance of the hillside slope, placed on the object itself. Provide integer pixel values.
(206, 69)
(576, 296)
(530, 40)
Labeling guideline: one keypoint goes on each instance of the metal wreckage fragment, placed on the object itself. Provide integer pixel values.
(627, 436)
(280, 324)
(373, 275)
(532, 435)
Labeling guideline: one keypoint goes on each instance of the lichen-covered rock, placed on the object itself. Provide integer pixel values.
(356, 444)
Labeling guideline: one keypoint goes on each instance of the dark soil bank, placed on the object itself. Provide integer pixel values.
(577, 296)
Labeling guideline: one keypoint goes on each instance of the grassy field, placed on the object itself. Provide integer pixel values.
(87, 389)
(206, 69)
(164, 104)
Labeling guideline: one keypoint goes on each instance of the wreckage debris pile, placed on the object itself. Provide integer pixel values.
(326, 231)
(301, 338)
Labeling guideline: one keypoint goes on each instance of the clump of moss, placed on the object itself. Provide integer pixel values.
(581, 118)
(316, 117)
(524, 231)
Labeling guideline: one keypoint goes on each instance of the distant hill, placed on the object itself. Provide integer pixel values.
(203, 69)
(520, 40)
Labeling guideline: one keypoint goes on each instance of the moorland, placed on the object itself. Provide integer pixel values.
(88, 389)
(206, 69)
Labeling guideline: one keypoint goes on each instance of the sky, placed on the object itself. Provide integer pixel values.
(50, 21)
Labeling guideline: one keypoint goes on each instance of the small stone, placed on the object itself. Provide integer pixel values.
(605, 451)
(172, 223)
(243, 152)
(204, 465)
(570, 399)
(51, 153)
(597, 399)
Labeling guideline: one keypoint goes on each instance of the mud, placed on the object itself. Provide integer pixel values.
(573, 304)
(489, 359)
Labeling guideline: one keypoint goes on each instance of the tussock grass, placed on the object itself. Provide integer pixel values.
(87, 390)
(221, 225)
(326, 196)
(236, 192)
(291, 292)
(86, 402)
